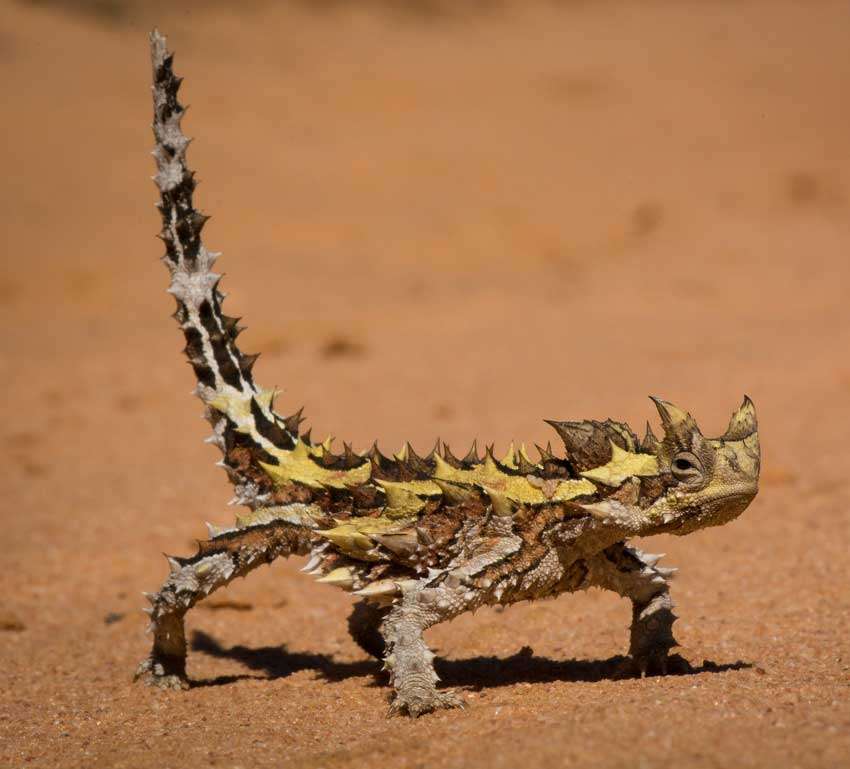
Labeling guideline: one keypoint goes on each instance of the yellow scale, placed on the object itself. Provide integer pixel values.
(405, 499)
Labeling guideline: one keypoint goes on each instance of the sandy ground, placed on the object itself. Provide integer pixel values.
(446, 223)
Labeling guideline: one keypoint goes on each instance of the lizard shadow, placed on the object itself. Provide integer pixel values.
(276, 662)
(475, 673)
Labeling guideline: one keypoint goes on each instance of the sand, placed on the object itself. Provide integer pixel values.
(436, 220)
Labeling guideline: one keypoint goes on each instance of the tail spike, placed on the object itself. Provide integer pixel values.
(231, 326)
(219, 295)
(292, 422)
(196, 221)
(247, 361)
(181, 314)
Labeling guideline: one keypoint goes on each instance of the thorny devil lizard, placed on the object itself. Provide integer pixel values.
(420, 540)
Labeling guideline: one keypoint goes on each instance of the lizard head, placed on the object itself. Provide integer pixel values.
(709, 481)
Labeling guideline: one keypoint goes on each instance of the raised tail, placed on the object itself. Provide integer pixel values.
(246, 428)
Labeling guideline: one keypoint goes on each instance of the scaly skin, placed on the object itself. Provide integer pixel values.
(423, 539)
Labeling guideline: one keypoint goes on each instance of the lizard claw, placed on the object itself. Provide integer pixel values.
(419, 705)
(655, 663)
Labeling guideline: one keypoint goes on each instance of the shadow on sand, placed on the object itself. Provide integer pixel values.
(475, 673)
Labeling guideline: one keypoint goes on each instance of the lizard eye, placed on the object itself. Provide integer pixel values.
(686, 467)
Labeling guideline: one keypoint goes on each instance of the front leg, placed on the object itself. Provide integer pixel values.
(634, 575)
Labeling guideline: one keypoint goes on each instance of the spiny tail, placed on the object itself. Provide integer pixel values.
(246, 428)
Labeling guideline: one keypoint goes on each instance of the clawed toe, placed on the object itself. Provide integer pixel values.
(418, 706)
(656, 663)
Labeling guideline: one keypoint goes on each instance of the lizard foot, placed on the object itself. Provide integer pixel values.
(418, 703)
(655, 662)
(154, 673)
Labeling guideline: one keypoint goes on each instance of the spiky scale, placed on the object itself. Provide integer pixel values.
(510, 458)
(402, 543)
(649, 443)
(448, 458)
(500, 504)
(342, 577)
(247, 362)
(546, 454)
(456, 493)
(293, 421)
(402, 454)
(472, 457)
(524, 463)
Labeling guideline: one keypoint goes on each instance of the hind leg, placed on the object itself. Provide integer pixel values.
(408, 659)
(218, 562)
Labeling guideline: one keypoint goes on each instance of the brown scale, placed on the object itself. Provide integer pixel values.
(441, 526)
(367, 499)
(412, 468)
(242, 456)
(588, 443)
(294, 492)
(529, 524)
(241, 542)
(652, 487)
(552, 467)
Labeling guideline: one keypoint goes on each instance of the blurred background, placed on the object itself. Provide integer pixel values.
(439, 218)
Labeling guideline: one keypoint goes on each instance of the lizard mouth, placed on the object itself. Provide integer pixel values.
(716, 510)
(727, 495)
